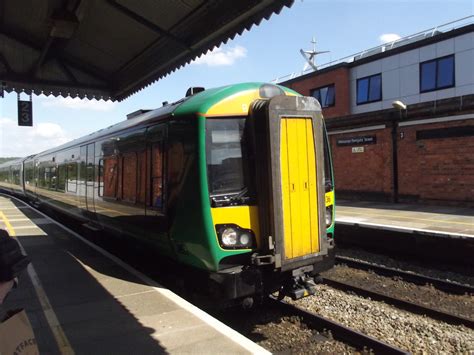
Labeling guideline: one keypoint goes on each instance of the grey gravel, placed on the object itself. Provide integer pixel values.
(411, 332)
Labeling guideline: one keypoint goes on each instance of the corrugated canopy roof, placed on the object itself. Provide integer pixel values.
(111, 49)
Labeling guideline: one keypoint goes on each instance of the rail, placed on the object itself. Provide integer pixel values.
(400, 303)
(447, 286)
(340, 332)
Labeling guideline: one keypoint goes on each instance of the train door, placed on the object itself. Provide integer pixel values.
(90, 177)
(157, 219)
(85, 181)
(298, 186)
(288, 148)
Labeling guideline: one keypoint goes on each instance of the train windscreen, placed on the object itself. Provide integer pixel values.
(227, 162)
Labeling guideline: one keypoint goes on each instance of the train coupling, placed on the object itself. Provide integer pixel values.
(302, 284)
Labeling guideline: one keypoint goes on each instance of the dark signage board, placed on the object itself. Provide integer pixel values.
(25, 113)
(362, 140)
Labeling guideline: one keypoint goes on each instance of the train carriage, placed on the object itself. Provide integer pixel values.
(233, 182)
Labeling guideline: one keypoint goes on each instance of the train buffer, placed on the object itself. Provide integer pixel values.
(80, 299)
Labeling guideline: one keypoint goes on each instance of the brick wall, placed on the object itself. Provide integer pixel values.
(436, 169)
(429, 170)
(370, 171)
(339, 77)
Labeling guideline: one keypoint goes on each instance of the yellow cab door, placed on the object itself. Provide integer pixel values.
(299, 187)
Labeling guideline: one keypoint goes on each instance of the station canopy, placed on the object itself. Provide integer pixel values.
(110, 49)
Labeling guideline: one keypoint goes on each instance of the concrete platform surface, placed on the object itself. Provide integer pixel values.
(80, 299)
(443, 221)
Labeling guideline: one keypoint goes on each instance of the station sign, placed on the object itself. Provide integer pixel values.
(25, 113)
(361, 140)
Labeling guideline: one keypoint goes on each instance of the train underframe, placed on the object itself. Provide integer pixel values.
(249, 284)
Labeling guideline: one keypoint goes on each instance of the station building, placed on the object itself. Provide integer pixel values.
(420, 149)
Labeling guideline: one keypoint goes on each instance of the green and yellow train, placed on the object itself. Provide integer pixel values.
(235, 183)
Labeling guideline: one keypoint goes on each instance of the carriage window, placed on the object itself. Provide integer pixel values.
(16, 175)
(29, 176)
(129, 177)
(142, 177)
(157, 164)
(100, 177)
(108, 168)
(62, 177)
(72, 177)
(45, 174)
(41, 175)
(52, 178)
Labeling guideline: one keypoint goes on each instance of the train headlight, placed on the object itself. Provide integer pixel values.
(245, 239)
(231, 236)
(328, 216)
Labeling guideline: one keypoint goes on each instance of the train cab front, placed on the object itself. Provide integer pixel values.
(272, 198)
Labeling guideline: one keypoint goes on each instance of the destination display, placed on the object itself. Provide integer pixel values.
(357, 140)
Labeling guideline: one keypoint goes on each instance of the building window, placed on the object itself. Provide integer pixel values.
(437, 74)
(369, 89)
(325, 95)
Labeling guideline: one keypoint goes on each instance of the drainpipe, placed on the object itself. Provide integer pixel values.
(394, 160)
(401, 107)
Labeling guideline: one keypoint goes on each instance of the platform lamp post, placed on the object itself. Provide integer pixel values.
(401, 107)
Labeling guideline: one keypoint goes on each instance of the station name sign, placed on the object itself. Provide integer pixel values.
(357, 140)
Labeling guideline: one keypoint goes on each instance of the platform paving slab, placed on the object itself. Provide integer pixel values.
(442, 220)
(101, 305)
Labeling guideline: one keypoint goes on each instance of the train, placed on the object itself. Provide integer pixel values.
(234, 183)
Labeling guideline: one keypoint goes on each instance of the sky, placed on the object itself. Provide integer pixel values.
(266, 52)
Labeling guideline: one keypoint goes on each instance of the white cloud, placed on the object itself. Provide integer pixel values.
(219, 56)
(18, 141)
(78, 104)
(388, 37)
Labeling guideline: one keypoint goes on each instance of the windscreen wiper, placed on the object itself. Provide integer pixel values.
(239, 195)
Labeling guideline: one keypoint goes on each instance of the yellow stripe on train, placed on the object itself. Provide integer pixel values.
(329, 198)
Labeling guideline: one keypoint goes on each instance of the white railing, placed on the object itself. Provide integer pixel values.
(386, 46)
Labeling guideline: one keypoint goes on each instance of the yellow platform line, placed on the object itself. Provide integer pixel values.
(62, 341)
(368, 214)
(9, 227)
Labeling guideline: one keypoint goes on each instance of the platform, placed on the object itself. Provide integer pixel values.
(80, 299)
(441, 235)
(442, 221)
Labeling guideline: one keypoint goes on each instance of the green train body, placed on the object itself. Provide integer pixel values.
(233, 182)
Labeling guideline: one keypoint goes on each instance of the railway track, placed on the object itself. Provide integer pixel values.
(444, 285)
(401, 303)
(338, 331)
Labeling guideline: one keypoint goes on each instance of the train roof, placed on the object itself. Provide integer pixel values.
(11, 162)
(199, 103)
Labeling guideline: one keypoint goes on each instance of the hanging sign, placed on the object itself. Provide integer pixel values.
(25, 112)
